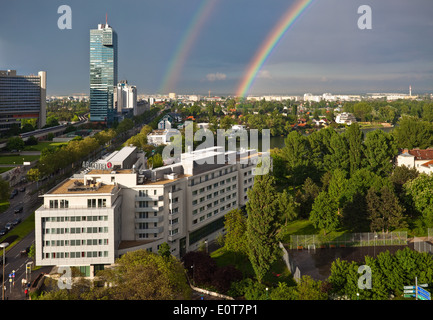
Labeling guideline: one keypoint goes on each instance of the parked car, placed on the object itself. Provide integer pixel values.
(16, 221)
(3, 231)
(22, 189)
(13, 193)
(8, 226)
(18, 209)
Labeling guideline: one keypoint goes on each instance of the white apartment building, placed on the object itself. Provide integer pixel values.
(117, 205)
(125, 97)
(345, 118)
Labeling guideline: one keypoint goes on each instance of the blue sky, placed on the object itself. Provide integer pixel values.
(324, 51)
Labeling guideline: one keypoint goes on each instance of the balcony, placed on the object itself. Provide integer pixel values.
(150, 219)
(150, 230)
(149, 198)
(149, 209)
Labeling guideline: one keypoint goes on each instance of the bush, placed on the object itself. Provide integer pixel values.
(224, 276)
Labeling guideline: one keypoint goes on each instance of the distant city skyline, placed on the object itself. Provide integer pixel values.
(194, 46)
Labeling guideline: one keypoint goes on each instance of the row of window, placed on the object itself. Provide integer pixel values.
(215, 194)
(75, 218)
(215, 185)
(145, 193)
(212, 175)
(75, 230)
(215, 203)
(215, 212)
(76, 242)
(82, 254)
(54, 204)
(96, 203)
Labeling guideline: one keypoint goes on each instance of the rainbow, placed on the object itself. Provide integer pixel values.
(185, 44)
(270, 43)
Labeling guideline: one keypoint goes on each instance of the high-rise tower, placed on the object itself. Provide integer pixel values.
(103, 72)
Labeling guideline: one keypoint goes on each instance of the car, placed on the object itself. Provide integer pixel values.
(13, 193)
(22, 189)
(8, 226)
(16, 221)
(18, 209)
(3, 231)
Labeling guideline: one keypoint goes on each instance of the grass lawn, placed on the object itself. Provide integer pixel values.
(4, 169)
(18, 159)
(4, 206)
(42, 145)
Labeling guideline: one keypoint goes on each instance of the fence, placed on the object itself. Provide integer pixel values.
(348, 240)
(422, 244)
(294, 270)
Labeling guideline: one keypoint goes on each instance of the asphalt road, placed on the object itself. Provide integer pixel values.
(15, 261)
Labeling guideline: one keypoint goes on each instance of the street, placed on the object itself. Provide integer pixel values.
(15, 260)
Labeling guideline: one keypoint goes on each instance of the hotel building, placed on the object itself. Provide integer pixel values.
(117, 204)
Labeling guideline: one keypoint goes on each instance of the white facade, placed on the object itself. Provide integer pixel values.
(422, 160)
(345, 118)
(93, 218)
(125, 97)
(159, 137)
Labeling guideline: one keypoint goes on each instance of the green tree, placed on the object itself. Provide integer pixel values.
(296, 153)
(235, 223)
(288, 208)
(310, 289)
(15, 143)
(143, 275)
(164, 250)
(420, 196)
(385, 211)
(380, 149)
(262, 224)
(354, 138)
(413, 133)
(324, 213)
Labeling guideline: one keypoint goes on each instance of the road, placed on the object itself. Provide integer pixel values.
(15, 261)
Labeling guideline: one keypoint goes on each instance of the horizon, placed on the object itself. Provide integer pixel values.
(202, 45)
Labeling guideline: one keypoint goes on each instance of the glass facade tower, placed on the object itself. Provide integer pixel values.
(103, 73)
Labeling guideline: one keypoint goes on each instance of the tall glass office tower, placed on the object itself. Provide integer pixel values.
(103, 73)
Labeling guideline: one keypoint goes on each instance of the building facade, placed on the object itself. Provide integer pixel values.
(103, 73)
(118, 205)
(421, 159)
(125, 97)
(22, 97)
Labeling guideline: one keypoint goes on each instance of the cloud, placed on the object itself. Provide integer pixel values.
(216, 76)
(264, 74)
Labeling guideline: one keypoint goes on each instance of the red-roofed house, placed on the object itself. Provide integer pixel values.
(421, 159)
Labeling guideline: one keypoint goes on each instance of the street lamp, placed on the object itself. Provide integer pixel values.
(3, 245)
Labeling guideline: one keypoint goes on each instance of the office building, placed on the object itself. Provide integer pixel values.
(22, 97)
(103, 73)
(125, 98)
(118, 204)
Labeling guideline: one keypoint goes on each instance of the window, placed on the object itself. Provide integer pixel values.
(54, 204)
(64, 204)
(91, 203)
(102, 203)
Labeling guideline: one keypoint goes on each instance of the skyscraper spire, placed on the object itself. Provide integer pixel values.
(106, 19)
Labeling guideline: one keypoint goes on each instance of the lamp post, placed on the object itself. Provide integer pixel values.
(3, 245)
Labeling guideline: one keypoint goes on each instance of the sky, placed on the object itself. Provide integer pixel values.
(324, 50)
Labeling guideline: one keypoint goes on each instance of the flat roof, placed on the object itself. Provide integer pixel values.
(63, 188)
(121, 155)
